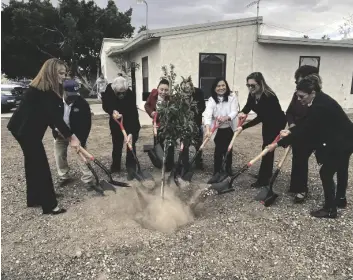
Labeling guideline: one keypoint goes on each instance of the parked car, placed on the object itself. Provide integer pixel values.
(11, 96)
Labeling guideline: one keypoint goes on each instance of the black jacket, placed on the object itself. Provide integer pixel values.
(296, 111)
(37, 111)
(80, 119)
(126, 106)
(268, 111)
(198, 97)
(326, 128)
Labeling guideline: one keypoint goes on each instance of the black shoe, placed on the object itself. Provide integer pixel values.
(300, 197)
(324, 213)
(33, 205)
(341, 203)
(258, 185)
(52, 212)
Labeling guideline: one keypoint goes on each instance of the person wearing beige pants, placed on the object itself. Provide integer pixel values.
(60, 152)
(76, 113)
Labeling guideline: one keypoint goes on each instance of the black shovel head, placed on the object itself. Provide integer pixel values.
(222, 187)
(270, 199)
(262, 194)
(218, 178)
(106, 186)
(156, 161)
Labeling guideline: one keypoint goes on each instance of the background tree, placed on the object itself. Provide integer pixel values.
(34, 31)
(346, 28)
(142, 28)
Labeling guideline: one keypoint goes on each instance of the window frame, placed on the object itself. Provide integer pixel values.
(225, 66)
(310, 56)
(145, 85)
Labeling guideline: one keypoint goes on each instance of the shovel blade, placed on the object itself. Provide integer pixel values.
(187, 176)
(221, 187)
(262, 194)
(218, 177)
(157, 162)
(270, 199)
(119, 184)
(106, 186)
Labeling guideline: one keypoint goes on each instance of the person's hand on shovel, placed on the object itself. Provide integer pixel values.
(74, 142)
(116, 115)
(223, 119)
(285, 133)
(241, 116)
(272, 147)
(129, 139)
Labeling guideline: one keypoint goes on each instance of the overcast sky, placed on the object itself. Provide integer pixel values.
(281, 17)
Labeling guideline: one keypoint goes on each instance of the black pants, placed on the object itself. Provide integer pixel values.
(40, 188)
(266, 168)
(300, 164)
(340, 166)
(222, 140)
(118, 144)
(186, 151)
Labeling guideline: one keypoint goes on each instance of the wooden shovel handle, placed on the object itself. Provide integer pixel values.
(214, 128)
(263, 153)
(236, 133)
(155, 124)
(82, 156)
(120, 123)
(83, 152)
(286, 152)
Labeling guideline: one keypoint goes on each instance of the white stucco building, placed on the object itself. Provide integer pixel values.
(231, 49)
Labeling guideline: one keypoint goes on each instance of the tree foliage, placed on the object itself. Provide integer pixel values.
(142, 28)
(176, 112)
(346, 28)
(73, 31)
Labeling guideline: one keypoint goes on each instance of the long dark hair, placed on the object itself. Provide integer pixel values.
(260, 80)
(213, 89)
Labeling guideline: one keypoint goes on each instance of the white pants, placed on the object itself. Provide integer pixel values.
(60, 152)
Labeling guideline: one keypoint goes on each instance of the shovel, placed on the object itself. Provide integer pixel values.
(267, 196)
(186, 175)
(165, 153)
(222, 175)
(140, 175)
(112, 184)
(227, 185)
(155, 152)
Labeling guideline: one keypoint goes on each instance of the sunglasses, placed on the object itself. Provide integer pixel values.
(251, 86)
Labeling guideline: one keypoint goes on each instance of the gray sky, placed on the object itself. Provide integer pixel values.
(281, 17)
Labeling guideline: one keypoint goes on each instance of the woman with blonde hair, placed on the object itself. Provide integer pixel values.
(264, 102)
(38, 110)
(118, 100)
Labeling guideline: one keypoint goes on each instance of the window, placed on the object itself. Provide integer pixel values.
(310, 60)
(352, 86)
(145, 74)
(211, 66)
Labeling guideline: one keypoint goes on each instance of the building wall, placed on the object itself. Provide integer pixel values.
(108, 66)
(279, 62)
(153, 51)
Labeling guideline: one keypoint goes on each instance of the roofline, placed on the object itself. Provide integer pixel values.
(172, 31)
(267, 39)
(111, 40)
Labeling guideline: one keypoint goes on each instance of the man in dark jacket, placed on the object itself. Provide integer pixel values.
(76, 113)
(301, 152)
(328, 130)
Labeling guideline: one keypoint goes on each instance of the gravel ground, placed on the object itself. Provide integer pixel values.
(232, 236)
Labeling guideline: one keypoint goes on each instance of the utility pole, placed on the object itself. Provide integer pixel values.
(257, 2)
(145, 2)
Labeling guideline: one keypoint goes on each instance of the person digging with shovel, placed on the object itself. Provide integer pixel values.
(222, 106)
(119, 100)
(76, 113)
(330, 131)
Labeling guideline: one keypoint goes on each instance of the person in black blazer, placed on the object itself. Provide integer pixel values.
(76, 113)
(117, 100)
(330, 132)
(264, 102)
(38, 110)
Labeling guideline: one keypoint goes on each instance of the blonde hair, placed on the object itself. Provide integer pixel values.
(47, 77)
(119, 84)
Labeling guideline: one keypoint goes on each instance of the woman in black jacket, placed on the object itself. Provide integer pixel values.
(264, 102)
(329, 132)
(117, 100)
(38, 110)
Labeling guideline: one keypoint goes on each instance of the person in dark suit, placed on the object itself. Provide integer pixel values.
(76, 113)
(264, 102)
(118, 100)
(301, 152)
(330, 132)
(38, 110)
